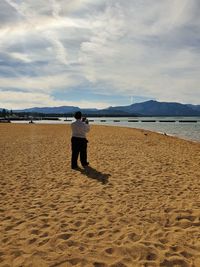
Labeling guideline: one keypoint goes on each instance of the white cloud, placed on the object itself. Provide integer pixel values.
(139, 61)
(21, 100)
(145, 48)
(21, 56)
(46, 84)
(56, 8)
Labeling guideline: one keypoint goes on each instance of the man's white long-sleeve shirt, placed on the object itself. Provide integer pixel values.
(79, 129)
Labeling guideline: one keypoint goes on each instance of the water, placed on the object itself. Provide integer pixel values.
(186, 130)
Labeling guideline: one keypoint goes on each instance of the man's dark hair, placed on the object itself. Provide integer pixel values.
(78, 115)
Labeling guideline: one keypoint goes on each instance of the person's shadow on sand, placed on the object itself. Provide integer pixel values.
(94, 174)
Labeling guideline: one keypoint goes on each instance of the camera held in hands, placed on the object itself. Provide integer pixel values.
(84, 119)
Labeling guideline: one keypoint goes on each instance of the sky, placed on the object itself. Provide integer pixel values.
(98, 53)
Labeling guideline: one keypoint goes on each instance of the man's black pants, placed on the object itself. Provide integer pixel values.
(79, 145)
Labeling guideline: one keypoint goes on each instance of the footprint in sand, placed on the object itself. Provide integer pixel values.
(35, 232)
(75, 261)
(151, 256)
(110, 251)
(44, 234)
(102, 232)
(118, 264)
(186, 254)
(19, 222)
(134, 237)
(8, 228)
(90, 235)
(43, 242)
(64, 236)
(175, 261)
(45, 225)
(31, 241)
(78, 223)
(99, 264)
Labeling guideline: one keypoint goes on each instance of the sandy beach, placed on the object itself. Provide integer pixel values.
(138, 204)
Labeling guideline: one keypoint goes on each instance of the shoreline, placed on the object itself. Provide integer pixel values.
(156, 132)
(114, 125)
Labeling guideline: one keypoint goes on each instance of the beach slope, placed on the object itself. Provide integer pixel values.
(138, 204)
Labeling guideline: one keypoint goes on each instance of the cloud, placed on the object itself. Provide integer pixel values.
(144, 60)
(45, 84)
(143, 48)
(21, 100)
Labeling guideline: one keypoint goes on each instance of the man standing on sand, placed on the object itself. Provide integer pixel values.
(79, 142)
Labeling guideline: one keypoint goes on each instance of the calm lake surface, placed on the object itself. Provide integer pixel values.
(186, 130)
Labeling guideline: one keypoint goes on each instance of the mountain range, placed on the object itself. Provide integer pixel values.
(155, 108)
(148, 108)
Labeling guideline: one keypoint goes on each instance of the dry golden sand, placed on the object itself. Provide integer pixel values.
(138, 204)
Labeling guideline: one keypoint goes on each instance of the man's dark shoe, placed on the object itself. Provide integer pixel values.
(85, 165)
(75, 167)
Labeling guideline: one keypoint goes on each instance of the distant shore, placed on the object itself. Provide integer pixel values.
(137, 205)
(183, 127)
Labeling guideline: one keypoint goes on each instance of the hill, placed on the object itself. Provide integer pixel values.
(155, 108)
(148, 108)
